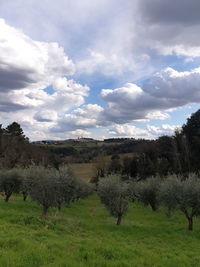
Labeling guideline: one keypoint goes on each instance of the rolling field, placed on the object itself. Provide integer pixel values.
(84, 235)
(83, 171)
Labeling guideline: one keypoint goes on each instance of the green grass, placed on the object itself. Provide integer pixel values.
(85, 235)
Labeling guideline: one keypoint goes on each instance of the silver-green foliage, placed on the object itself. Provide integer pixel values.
(113, 193)
(52, 187)
(147, 192)
(183, 195)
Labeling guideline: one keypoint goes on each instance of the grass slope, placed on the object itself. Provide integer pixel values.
(85, 235)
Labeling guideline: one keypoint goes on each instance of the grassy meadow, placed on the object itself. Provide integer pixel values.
(84, 234)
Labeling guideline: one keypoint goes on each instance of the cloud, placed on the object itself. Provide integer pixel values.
(164, 129)
(170, 12)
(149, 132)
(82, 118)
(24, 62)
(129, 130)
(27, 67)
(178, 87)
(170, 27)
(166, 90)
(79, 133)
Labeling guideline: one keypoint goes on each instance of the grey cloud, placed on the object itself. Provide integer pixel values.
(14, 78)
(11, 107)
(185, 12)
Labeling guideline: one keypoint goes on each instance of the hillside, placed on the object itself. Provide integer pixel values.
(85, 235)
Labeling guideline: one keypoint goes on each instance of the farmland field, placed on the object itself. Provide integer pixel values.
(84, 171)
(85, 235)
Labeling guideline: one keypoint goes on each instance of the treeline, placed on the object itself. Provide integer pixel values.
(16, 150)
(49, 187)
(178, 154)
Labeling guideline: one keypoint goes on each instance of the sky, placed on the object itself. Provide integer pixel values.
(99, 68)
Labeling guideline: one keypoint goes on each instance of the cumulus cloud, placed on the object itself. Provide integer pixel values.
(129, 131)
(25, 62)
(27, 67)
(82, 118)
(164, 129)
(166, 90)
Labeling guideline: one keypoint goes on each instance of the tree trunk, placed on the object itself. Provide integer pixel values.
(7, 198)
(190, 223)
(44, 211)
(153, 206)
(24, 196)
(59, 206)
(119, 218)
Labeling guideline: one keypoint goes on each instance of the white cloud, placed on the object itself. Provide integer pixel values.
(27, 67)
(164, 129)
(166, 90)
(79, 133)
(82, 118)
(129, 131)
(27, 63)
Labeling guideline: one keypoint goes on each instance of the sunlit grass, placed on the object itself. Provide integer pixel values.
(85, 235)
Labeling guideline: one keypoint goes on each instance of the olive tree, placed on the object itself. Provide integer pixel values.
(26, 182)
(10, 182)
(45, 188)
(147, 192)
(113, 193)
(66, 185)
(184, 195)
(52, 187)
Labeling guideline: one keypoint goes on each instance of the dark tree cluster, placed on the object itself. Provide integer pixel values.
(16, 150)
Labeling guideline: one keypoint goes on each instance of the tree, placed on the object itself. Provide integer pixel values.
(26, 182)
(147, 192)
(14, 129)
(191, 132)
(113, 193)
(184, 195)
(145, 166)
(115, 164)
(10, 182)
(130, 167)
(66, 186)
(45, 189)
(52, 188)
